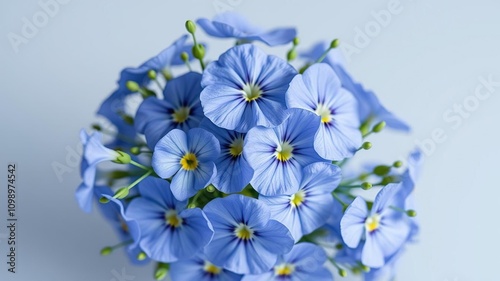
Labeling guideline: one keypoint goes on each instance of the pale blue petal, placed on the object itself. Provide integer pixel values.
(274, 237)
(352, 225)
(158, 190)
(85, 196)
(168, 153)
(372, 254)
(320, 178)
(203, 144)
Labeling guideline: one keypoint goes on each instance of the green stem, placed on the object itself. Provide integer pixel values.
(140, 179)
(140, 165)
(323, 56)
(339, 199)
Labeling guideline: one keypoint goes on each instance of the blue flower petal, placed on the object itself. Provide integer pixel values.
(352, 225)
(319, 90)
(237, 70)
(273, 176)
(168, 153)
(232, 25)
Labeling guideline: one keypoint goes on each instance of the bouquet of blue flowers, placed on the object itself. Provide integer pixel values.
(238, 168)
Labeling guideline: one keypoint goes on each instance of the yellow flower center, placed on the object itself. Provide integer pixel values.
(173, 219)
(211, 268)
(284, 152)
(251, 92)
(243, 232)
(189, 162)
(324, 112)
(236, 147)
(373, 223)
(181, 114)
(285, 269)
(298, 198)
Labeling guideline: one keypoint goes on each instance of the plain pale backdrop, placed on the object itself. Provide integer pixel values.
(424, 62)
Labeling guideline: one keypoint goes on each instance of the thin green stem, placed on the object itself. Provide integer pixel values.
(124, 243)
(339, 199)
(323, 56)
(140, 179)
(140, 165)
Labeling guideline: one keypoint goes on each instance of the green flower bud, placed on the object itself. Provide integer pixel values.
(365, 268)
(184, 56)
(190, 26)
(387, 180)
(366, 185)
(106, 251)
(146, 93)
(103, 200)
(356, 271)
(296, 41)
(142, 256)
(342, 272)
(210, 188)
(152, 74)
(198, 51)
(363, 176)
(132, 86)
(411, 213)
(379, 127)
(397, 164)
(122, 158)
(381, 170)
(367, 145)
(334, 44)
(135, 150)
(122, 193)
(161, 271)
(96, 127)
(291, 55)
(167, 74)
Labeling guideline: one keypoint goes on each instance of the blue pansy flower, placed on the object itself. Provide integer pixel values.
(180, 108)
(94, 152)
(383, 228)
(233, 25)
(126, 228)
(188, 158)
(246, 88)
(169, 231)
(278, 154)
(246, 239)
(200, 269)
(303, 263)
(311, 206)
(370, 109)
(233, 170)
(319, 90)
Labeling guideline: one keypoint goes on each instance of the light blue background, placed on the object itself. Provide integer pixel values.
(429, 57)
